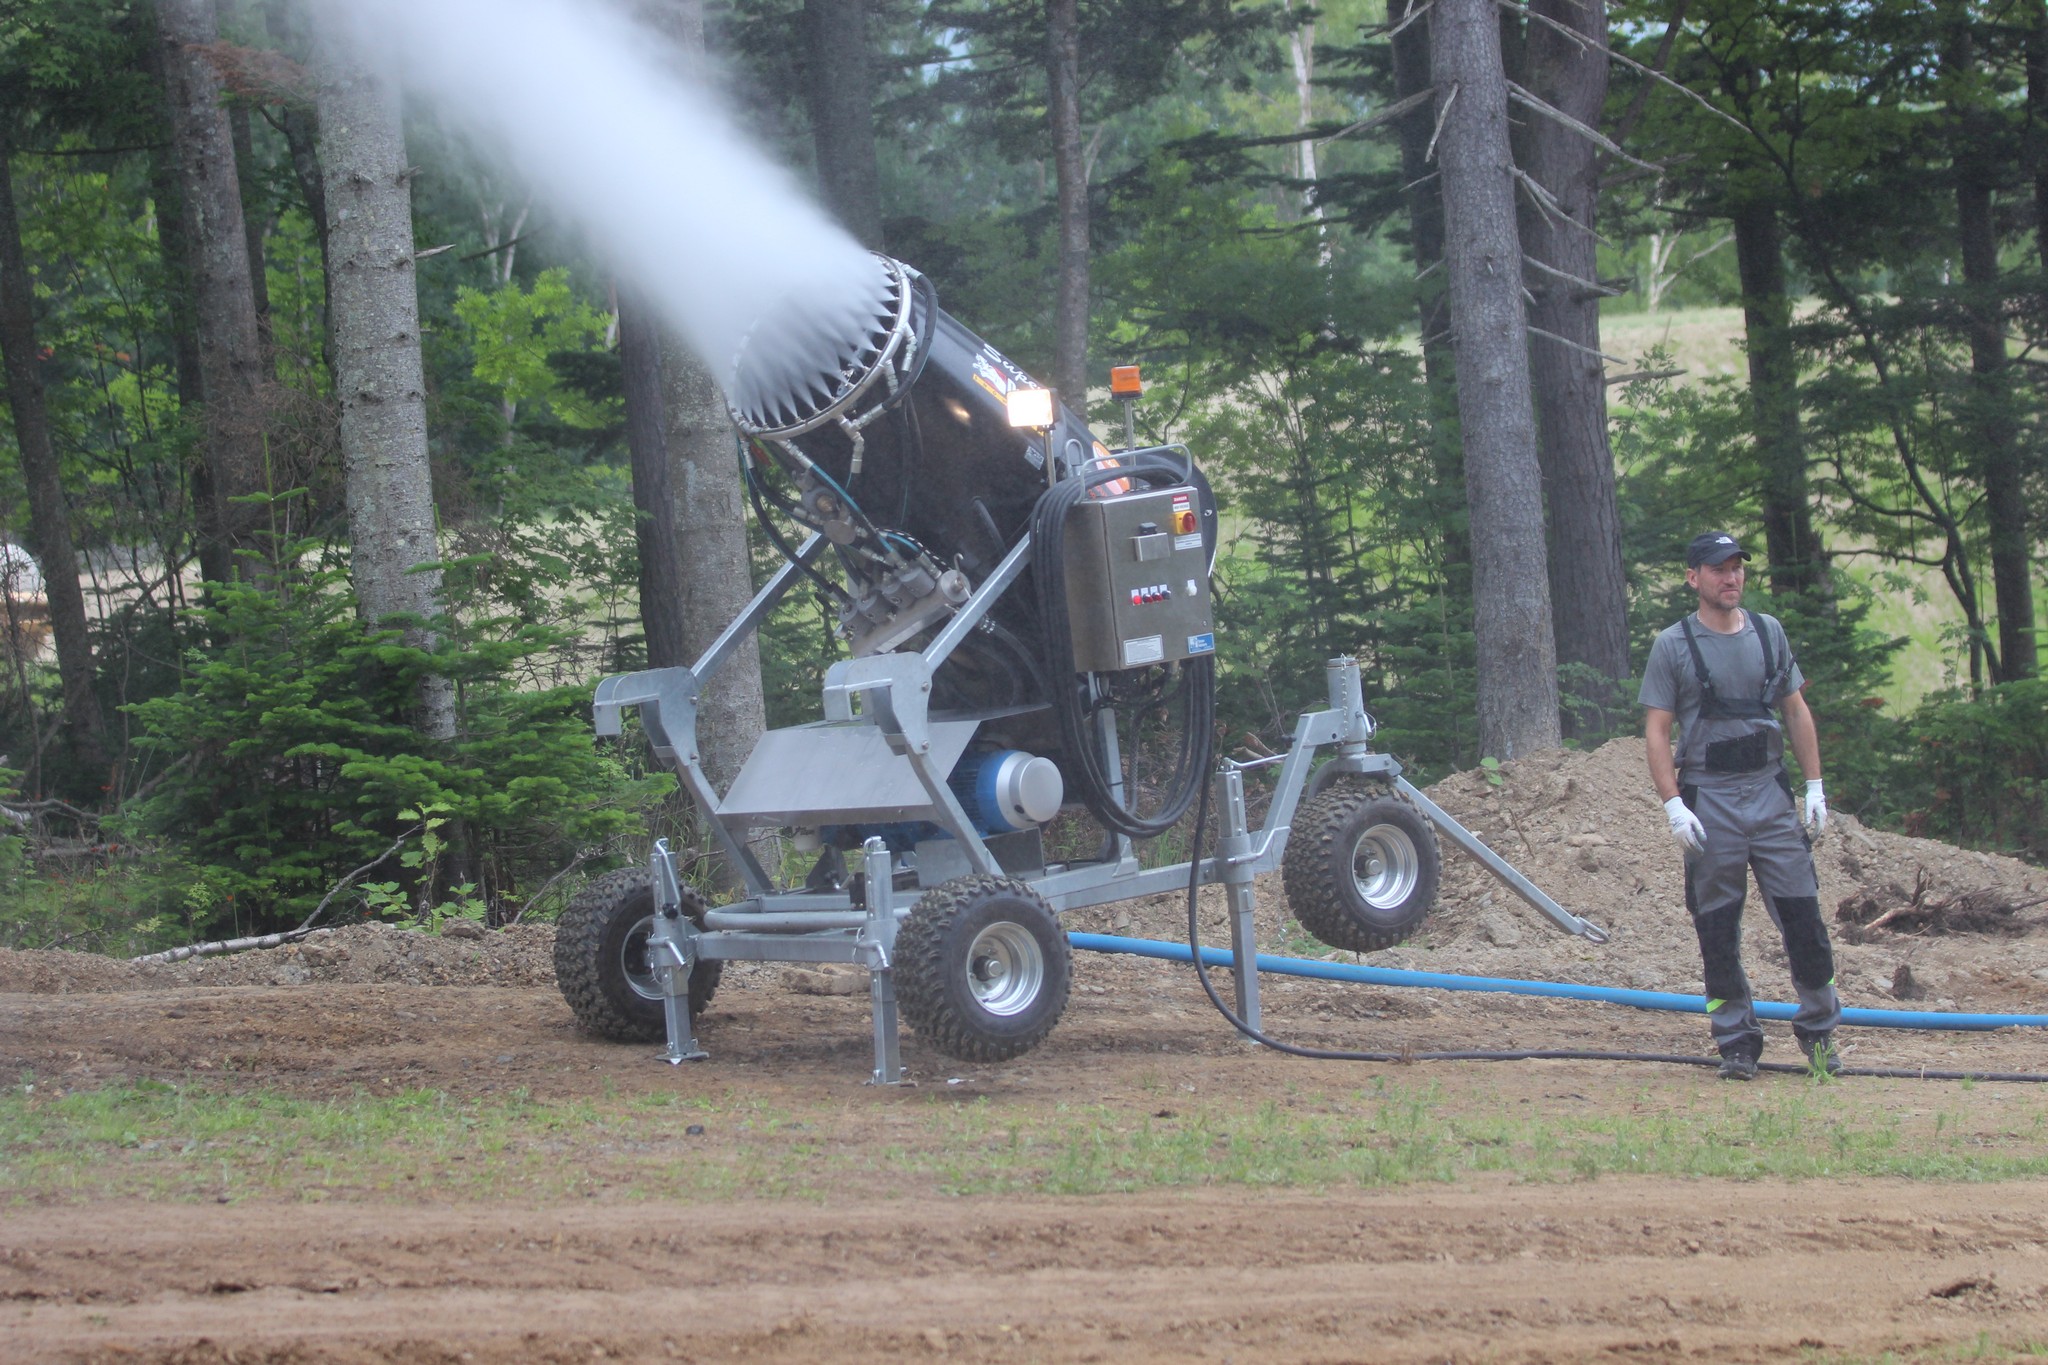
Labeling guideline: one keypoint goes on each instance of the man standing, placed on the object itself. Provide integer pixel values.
(1720, 673)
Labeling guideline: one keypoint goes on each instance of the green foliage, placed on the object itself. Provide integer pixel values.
(289, 757)
(513, 332)
(1974, 769)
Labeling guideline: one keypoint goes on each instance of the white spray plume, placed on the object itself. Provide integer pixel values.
(591, 110)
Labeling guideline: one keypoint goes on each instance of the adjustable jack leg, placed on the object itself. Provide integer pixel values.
(675, 1001)
(1233, 852)
(668, 953)
(878, 936)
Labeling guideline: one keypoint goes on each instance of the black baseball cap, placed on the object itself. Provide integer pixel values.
(1712, 547)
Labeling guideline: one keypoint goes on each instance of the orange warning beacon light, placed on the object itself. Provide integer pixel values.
(1124, 381)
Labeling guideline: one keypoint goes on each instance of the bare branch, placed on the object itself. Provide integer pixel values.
(1428, 270)
(582, 857)
(1590, 286)
(236, 945)
(1441, 114)
(1410, 18)
(1418, 182)
(1590, 133)
(1614, 379)
(1392, 111)
(1662, 62)
(220, 947)
(1566, 341)
(1547, 201)
(1629, 62)
(344, 883)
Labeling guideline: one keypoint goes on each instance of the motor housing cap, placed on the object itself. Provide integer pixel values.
(1007, 790)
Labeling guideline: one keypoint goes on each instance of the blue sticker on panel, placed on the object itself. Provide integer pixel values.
(1205, 643)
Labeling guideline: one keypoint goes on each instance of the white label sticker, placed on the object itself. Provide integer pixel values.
(1149, 650)
(1193, 587)
(1192, 541)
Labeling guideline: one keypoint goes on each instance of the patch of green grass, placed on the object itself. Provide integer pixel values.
(159, 1141)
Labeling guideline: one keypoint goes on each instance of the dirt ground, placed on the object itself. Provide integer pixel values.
(882, 1265)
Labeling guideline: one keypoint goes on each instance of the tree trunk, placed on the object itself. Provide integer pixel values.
(715, 578)
(49, 529)
(654, 525)
(1517, 654)
(841, 96)
(1791, 543)
(231, 362)
(695, 575)
(283, 20)
(1588, 589)
(215, 563)
(1995, 433)
(2036, 58)
(378, 377)
(1070, 289)
(1426, 240)
(255, 223)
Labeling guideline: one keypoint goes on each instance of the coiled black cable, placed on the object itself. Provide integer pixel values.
(1068, 687)
(1511, 1054)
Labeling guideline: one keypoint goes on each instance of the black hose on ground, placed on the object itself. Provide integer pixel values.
(1512, 1054)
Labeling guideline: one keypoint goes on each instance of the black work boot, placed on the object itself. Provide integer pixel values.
(1737, 1066)
(1822, 1056)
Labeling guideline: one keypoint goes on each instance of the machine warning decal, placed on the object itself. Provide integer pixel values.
(1205, 643)
(1150, 650)
(994, 372)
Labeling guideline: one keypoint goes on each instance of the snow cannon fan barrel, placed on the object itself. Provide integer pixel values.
(892, 421)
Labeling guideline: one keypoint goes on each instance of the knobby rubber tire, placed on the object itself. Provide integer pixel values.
(1318, 867)
(935, 974)
(590, 946)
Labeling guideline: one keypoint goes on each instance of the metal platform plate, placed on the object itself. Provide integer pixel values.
(843, 772)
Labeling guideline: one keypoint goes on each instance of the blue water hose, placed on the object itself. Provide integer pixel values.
(1563, 990)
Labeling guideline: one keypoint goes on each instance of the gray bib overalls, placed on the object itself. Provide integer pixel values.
(1732, 776)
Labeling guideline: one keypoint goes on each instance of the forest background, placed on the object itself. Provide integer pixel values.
(1783, 275)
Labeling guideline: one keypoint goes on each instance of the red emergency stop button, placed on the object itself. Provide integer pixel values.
(1183, 521)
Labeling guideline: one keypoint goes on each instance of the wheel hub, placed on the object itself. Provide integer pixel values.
(1005, 968)
(1385, 866)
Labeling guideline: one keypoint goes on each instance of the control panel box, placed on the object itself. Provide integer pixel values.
(1138, 580)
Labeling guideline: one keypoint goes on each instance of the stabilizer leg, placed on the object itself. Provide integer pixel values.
(671, 950)
(1234, 853)
(879, 936)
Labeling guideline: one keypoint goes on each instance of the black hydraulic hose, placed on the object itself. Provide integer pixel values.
(1512, 1054)
(782, 547)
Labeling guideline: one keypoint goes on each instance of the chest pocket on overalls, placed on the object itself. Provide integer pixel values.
(1750, 750)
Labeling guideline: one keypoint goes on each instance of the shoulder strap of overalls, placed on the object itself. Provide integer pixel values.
(1763, 637)
(1699, 661)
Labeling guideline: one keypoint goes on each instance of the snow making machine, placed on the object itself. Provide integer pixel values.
(1010, 592)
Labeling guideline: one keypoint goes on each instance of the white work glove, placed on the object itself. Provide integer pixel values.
(1816, 808)
(1685, 826)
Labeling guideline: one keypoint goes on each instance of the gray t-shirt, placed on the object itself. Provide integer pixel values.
(1736, 664)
